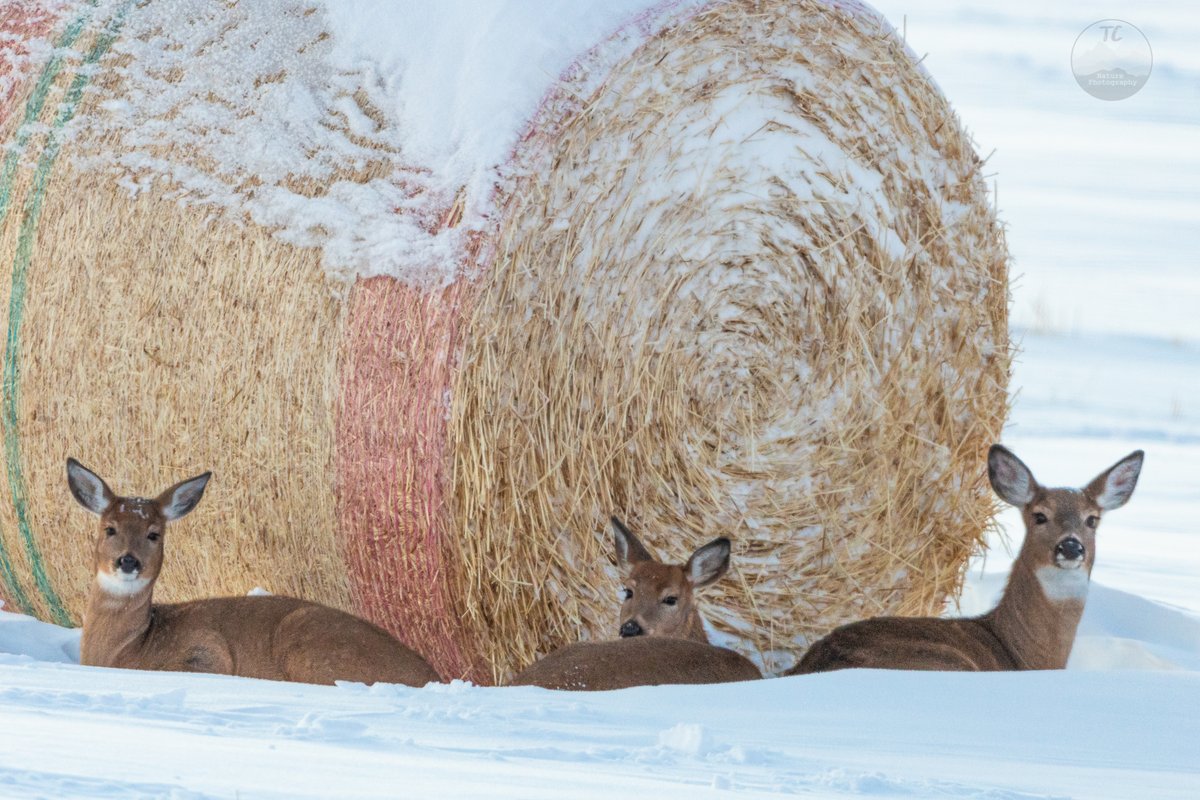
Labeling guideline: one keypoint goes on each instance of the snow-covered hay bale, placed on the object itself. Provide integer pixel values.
(750, 286)
(431, 315)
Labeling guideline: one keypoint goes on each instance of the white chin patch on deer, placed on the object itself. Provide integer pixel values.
(1060, 584)
(121, 584)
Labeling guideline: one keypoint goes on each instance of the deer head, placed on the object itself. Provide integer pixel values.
(1060, 524)
(659, 599)
(128, 552)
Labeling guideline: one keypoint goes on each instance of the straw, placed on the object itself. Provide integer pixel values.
(703, 321)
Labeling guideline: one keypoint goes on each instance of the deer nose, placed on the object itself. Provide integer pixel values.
(1069, 549)
(127, 563)
(631, 628)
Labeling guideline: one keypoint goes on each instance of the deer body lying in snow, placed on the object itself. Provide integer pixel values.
(662, 636)
(276, 638)
(1033, 626)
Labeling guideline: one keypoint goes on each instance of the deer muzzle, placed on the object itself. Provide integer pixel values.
(631, 628)
(128, 564)
(1069, 553)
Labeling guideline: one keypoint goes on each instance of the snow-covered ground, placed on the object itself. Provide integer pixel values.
(103, 733)
(1104, 219)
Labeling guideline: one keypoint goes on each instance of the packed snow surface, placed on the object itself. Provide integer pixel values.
(1102, 204)
(70, 731)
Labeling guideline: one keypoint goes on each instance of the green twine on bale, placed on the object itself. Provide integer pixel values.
(33, 110)
(24, 255)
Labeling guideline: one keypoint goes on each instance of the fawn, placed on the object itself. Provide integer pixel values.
(271, 637)
(1033, 626)
(662, 635)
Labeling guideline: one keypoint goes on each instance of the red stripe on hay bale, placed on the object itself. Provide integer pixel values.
(392, 467)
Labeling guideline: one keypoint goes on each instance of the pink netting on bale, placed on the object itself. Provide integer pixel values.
(392, 467)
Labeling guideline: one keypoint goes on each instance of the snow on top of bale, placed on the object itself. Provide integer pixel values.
(24, 25)
(354, 126)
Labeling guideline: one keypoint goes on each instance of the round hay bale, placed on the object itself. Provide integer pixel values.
(739, 276)
(762, 295)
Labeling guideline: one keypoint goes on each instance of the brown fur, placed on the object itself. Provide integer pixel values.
(276, 638)
(636, 661)
(1033, 626)
(670, 647)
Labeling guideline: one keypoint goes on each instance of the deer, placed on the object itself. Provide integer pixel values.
(267, 636)
(1033, 625)
(661, 634)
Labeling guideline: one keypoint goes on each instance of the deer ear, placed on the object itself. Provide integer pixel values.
(708, 563)
(1010, 478)
(182, 497)
(87, 487)
(629, 550)
(1113, 487)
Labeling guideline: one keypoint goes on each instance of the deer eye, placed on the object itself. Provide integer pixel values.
(670, 600)
(110, 531)
(152, 536)
(1039, 518)
(1092, 521)
(627, 594)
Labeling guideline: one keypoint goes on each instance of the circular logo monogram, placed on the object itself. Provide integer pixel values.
(1111, 59)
